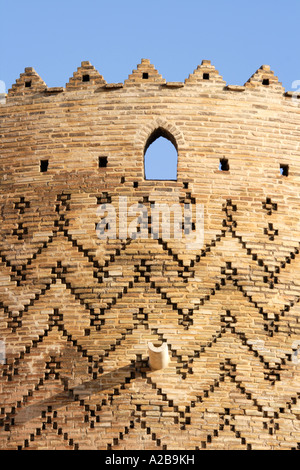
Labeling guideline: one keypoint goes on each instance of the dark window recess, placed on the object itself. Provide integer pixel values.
(44, 165)
(85, 78)
(266, 82)
(135, 184)
(28, 84)
(284, 170)
(102, 162)
(206, 76)
(123, 179)
(145, 76)
(224, 164)
(185, 185)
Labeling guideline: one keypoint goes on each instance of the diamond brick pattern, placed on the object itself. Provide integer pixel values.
(61, 343)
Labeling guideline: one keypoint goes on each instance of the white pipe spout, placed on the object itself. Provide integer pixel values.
(158, 356)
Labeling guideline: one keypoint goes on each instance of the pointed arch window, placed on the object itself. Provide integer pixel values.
(161, 156)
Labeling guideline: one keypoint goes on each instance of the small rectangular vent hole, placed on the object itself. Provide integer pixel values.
(284, 170)
(44, 166)
(102, 162)
(224, 164)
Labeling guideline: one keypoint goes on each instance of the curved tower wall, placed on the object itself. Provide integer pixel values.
(78, 309)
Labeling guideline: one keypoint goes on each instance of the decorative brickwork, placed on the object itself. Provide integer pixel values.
(77, 312)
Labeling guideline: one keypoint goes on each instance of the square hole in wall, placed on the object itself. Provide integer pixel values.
(266, 82)
(206, 76)
(135, 184)
(102, 162)
(224, 164)
(85, 78)
(44, 166)
(28, 84)
(284, 170)
(145, 75)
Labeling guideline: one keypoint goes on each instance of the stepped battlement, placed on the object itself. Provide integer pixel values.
(30, 84)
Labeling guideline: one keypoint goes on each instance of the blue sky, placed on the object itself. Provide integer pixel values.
(237, 36)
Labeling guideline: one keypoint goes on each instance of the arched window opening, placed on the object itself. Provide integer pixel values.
(161, 156)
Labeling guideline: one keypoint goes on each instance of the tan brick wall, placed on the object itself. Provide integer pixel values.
(77, 312)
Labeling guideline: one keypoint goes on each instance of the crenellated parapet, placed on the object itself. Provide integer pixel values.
(87, 78)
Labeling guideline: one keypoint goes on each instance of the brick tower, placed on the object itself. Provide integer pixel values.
(78, 310)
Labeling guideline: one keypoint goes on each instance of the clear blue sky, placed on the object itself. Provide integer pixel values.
(238, 36)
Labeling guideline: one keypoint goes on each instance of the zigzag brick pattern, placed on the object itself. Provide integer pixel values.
(77, 312)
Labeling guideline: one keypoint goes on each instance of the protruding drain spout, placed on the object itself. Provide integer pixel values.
(158, 356)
